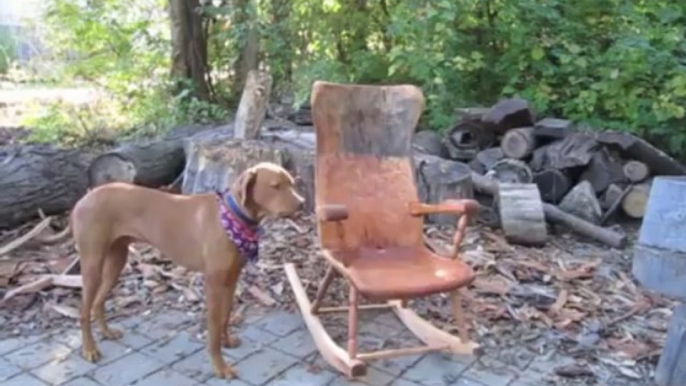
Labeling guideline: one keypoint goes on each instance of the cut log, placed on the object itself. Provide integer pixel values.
(521, 214)
(553, 128)
(573, 151)
(616, 202)
(518, 143)
(634, 203)
(511, 171)
(467, 137)
(582, 202)
(152, 164)
(40, 177)
(216, 160)
(603, 170)
(440, 179)
(489, 157)
(636, 171)
(638, 149)
(607, 236)
(553, 184)
(510, 113)
(253, 105)
(429, 142)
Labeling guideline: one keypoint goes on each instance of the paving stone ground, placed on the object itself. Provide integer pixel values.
(277, 350)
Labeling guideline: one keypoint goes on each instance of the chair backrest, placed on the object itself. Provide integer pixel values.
(364, 161)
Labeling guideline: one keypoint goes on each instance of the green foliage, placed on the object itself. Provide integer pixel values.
(7, 48)
(613, 64)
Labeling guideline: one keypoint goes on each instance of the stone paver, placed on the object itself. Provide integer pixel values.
(276, 350)
(126, 370)
(38, 354)
(7, 370)
(263, 366)
(437, 369)
(59, 372)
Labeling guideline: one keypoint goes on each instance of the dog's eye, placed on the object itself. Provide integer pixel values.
(276, 185)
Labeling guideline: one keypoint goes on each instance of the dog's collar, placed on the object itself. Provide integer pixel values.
(233, 205)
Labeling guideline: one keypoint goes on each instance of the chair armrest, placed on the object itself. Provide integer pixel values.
(332, 213)
(467, 208)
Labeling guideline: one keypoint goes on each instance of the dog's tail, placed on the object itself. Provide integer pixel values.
(58, 237)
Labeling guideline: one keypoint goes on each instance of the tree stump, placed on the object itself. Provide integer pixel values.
(582, 202)
(521, 214)
(253, 105)
(518, 143)
(40, 177)
(440, 179)
(636, 171)
(553, 184)
(636, 199)
(216, 160)
(512, 171)
(152, 164)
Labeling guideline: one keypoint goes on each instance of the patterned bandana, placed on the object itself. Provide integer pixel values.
(243, 231)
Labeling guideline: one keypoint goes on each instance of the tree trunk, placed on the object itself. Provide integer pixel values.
(250, 49)
(39, 177)
(253, 105)
(189, 46)
(152, 164)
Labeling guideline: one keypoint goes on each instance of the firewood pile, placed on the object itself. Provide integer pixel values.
(580, 177)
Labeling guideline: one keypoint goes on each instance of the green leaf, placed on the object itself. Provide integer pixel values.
(537, 53)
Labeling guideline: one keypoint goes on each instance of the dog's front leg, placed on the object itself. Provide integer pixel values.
(229, 340)
(215, 291)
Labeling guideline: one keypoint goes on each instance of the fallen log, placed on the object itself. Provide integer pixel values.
(555, 215)
(153, 164)
(518, 143)
(638, 149)
(41, 177)
(636, 171)
(18, 242)
(440, 179)
(253, 105)
(521, 214)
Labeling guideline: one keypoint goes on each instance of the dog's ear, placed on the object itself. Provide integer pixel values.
(245, 184)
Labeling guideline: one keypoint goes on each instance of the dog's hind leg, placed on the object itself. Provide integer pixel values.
(111, 269)
(91, 271)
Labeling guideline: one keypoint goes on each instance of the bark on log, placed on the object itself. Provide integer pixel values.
(603, 170)
(582, 202)
(152, 164)
(512, 171)
(638, 149)
(636, 199)
(617, 199)
(573, 151)
(553, 128)
(489, 157)
(521, 214)
(611, 195)
(440, 179)
(429, 142)
(510, 113)
(518, 143)
(553, 214)
(636, 171)
(253, 105)
(40, 177)
(553, 184)
(214, 160)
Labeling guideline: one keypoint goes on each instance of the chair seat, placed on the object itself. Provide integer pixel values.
(401, 273)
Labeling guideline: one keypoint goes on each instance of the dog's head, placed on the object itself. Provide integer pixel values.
(267, 189)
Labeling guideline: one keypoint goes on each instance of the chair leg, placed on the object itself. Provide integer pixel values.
(326, 282)
(352, 322)
(458, 315)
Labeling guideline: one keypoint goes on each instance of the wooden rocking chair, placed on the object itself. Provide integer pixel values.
(370, 222)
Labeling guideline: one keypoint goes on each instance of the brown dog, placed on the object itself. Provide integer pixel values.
(190, 230)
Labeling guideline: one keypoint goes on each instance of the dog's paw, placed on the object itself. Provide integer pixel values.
(91, 354)
(224, 371)
(232, 341)
(112, 334)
